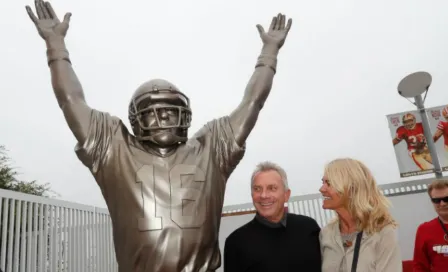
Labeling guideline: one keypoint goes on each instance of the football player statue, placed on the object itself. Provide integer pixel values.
(164, 191)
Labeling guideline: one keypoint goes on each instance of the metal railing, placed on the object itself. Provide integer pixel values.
(40, 234)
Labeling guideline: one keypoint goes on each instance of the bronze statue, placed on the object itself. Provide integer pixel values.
(164, 191)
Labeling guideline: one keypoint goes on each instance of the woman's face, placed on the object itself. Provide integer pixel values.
(332, 199)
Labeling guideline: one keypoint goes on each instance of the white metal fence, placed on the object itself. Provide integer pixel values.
(39, 234)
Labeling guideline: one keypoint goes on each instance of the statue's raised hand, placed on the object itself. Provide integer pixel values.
(47, 22)
(278, 30)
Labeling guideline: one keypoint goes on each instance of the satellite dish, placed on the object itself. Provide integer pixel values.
(414, 84)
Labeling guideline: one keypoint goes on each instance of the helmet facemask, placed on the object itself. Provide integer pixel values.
(160, 118)
(409, 121)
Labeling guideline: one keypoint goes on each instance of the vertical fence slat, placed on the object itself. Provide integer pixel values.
(4, 233)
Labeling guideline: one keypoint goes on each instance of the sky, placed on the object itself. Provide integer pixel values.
(336, 80)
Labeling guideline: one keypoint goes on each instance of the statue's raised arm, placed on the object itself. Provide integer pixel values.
(244, 117)
(66, 86)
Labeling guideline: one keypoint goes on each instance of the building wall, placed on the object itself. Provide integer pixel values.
(409, 210)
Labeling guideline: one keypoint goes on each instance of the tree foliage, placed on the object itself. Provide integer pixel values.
(9, 178)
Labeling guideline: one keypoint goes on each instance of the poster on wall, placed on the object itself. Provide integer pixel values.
(438, 121)
(409, 142)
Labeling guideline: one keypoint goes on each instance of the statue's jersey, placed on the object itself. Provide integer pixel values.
(165, 212)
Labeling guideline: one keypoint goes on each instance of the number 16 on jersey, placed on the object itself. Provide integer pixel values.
(179, 196)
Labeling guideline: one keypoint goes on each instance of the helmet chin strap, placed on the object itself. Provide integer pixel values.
(174, 139)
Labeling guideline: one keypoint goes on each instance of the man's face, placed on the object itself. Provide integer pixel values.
(269, 195)
(167, 117)
(409, 123)
(442, 206)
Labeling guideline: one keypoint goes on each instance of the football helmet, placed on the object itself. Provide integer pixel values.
(409, 121)
(155, 97)
(445, 113)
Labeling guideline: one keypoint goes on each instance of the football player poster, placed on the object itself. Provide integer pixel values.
(438, 122)
(409, 142)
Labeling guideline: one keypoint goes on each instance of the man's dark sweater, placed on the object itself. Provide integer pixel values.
(290, 245)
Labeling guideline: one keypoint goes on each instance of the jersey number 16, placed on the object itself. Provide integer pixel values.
(147, 177)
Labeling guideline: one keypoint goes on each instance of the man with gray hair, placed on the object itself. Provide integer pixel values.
(274, 240)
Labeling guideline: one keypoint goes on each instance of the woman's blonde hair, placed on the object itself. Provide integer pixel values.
(360, 193)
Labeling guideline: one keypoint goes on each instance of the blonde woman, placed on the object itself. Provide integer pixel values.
(362, 212)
